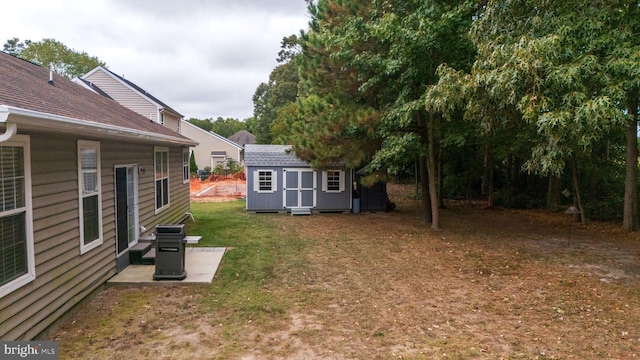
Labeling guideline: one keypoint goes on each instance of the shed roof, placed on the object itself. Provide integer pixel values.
(271, 156)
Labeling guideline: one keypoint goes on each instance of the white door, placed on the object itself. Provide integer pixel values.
(299, 188)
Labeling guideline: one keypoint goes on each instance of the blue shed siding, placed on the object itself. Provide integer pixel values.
(264, 201)
(338, 201)
(274, 201)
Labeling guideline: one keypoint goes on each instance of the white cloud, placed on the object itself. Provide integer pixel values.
(204, 58)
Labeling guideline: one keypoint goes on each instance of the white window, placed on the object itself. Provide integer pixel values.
(265, 181)
(333, 181)
(17, 265)
(90, 195)
(185, 165)
(161, 155)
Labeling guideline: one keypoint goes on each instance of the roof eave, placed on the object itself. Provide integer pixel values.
(62, 124)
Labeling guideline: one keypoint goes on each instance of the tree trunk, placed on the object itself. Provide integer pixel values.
(433, 189)
(424, 191)
(487, 179)
(576, 190)
(424, 177)
(439, 162)
(553, 191)
(630, 215)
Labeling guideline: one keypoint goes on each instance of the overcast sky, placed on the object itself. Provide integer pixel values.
(204, 58)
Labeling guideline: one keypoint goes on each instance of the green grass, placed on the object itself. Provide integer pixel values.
(246, 286)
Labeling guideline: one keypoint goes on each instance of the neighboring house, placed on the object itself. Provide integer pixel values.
(242, 138)
(130, 95)
(278, 181)
(80, 177)
(213, 149)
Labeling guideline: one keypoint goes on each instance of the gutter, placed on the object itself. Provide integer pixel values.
(12, 116)
(11, 128)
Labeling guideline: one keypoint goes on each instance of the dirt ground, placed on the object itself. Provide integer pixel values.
(218, 190)
(492, 284)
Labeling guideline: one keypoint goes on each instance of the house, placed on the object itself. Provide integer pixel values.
(130, 95)
(278, 181)
(243, 137)
(213, 149)
(82, 178)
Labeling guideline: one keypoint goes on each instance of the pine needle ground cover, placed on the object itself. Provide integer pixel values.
(492, 284)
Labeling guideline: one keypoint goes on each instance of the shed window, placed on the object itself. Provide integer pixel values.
(161, 155)
(90, 195)
(333, 181)
(265, 181)
(17, 266)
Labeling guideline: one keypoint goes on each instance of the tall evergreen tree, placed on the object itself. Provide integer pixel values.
(365, 69)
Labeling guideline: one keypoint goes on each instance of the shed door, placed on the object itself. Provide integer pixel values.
(299, 188)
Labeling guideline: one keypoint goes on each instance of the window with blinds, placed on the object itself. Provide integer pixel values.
(161, 155)
(12, 209)
(90, 195)
(17, 262)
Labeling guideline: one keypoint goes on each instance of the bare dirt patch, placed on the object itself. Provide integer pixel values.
(492, 284)
(222, 189)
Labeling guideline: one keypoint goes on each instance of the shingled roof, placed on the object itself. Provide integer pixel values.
(271, 155)
(27, 93)
(243, 137)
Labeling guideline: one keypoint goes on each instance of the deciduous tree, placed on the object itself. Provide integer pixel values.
(54, 54)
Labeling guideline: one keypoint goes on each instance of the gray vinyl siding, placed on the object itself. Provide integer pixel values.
(124, 95)
(63, 276)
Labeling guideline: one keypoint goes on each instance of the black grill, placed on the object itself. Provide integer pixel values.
(170, 252)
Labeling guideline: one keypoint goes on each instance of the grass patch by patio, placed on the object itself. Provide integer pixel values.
(258, 253)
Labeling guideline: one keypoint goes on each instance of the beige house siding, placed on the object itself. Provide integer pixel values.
(64, 276)
(209, 143)
(172, 122)
(123, 94)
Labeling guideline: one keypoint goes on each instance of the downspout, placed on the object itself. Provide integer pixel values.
(11, 128)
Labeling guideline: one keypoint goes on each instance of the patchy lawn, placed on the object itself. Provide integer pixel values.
(492, 284)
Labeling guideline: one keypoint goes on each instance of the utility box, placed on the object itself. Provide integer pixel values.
(170, 252)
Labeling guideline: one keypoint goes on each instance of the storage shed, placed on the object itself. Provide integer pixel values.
(373, 198)
(277, 181)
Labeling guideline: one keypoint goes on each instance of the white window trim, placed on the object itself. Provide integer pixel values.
(256, 181)
(185, 165)
(15, 284)
(325, 182)
(156, 150)
(84, 144)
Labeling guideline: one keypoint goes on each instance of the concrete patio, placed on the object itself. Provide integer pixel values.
(201, 264)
